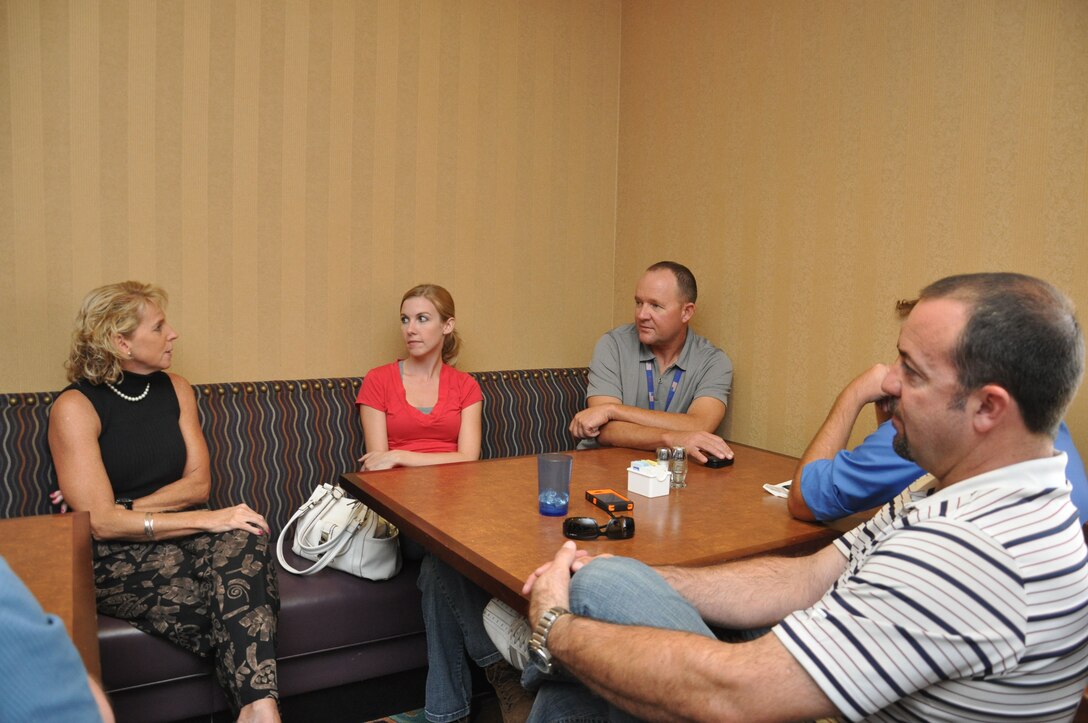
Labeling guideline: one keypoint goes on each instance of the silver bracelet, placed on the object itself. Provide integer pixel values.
(149, 525)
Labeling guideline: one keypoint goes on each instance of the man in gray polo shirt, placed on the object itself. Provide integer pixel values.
(655, 383)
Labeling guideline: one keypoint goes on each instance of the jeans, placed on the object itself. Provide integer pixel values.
(618, 590)
(453, 609)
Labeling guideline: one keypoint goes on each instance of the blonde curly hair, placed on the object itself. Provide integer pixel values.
(107, 311)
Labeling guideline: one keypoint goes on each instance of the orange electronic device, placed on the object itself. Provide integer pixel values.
(610, 500)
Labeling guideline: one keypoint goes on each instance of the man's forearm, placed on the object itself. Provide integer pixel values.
(834, 433)
(672, 421)
(639, 428)
(627, 434)
(758, 592)
(832, 437)
(640, 669)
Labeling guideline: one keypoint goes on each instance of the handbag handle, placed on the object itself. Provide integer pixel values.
(340, 541)
(331, 499)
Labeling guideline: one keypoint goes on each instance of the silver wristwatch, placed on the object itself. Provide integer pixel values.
(538, 644)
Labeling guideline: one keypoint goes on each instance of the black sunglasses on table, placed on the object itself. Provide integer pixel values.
(586, 528)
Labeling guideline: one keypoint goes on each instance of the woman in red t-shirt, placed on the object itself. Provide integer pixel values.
(419, 410)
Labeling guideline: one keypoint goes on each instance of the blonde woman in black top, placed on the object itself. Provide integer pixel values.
(128, 448)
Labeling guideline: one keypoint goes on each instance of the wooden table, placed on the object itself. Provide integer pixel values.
(52, 555)
(482, 518)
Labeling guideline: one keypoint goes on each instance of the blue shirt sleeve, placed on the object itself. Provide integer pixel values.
(867, 476)
(872, 474)
(1074, 471)
(42, 677)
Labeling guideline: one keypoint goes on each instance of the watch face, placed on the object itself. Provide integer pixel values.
(538, 644)
(541, 659)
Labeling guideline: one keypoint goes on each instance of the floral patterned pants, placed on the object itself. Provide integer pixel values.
(211, 593)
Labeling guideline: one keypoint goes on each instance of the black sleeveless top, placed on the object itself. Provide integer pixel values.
(141, 442)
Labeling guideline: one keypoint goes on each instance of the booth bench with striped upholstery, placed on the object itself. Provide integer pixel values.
(271, 443)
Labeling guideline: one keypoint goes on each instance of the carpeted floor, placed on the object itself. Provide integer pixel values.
(485, 709)
(412, 716)
(363, 701)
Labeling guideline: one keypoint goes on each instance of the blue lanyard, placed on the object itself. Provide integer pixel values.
(650, 385)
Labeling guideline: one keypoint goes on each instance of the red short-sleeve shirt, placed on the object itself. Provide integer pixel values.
(407, 427)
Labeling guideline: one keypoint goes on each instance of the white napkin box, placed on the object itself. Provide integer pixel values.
(647, 478)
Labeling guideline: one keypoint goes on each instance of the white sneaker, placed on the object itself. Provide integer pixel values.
(509, 632)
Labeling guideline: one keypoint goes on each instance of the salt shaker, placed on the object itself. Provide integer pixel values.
(664, 460)
(678, 466)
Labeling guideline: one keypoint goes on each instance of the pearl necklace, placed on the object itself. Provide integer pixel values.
(126, 397)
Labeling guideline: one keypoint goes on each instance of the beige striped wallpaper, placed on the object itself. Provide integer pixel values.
(287, 169)
(815, 161)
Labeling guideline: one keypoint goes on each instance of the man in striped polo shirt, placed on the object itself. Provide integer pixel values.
(968, 604)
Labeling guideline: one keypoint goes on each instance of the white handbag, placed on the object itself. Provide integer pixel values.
(335, 530)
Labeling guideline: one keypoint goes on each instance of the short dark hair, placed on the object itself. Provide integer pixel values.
(685, 280)
(1022, 335)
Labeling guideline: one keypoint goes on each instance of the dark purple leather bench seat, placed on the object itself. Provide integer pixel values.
(334, 629)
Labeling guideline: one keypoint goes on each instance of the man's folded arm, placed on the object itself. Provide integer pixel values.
(704, 414)
(644, 429)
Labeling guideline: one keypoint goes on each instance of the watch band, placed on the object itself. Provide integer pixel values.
(125, 501)
(538, 644)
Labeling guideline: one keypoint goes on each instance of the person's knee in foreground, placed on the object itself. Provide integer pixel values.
(155, 540)
(965, 603)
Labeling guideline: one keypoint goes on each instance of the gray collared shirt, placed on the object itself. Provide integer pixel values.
(618, 370)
